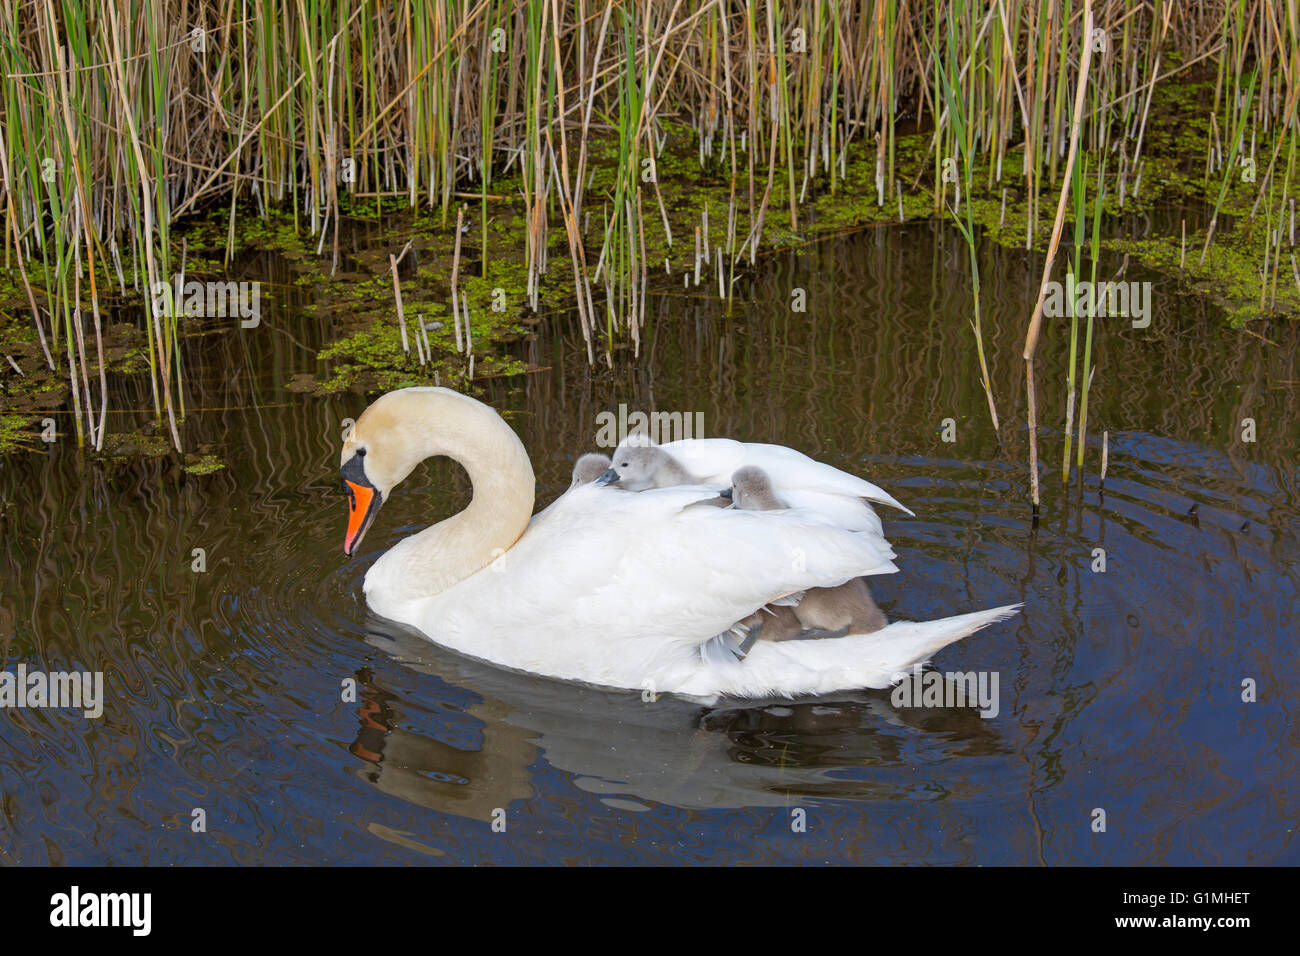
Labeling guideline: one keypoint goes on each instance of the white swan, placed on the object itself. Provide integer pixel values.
(589, 468)
(617, 588)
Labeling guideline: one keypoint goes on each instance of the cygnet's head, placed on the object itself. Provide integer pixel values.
(588, 468)
(751, 490)
(637, 467)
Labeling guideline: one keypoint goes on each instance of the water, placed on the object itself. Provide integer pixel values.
(1118, 690)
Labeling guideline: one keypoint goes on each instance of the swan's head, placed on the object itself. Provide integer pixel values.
(751, 490)
(403, 428)
(379, 451)
(588, 468)
(637, 467)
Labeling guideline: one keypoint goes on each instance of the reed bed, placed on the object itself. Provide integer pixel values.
(118, 120)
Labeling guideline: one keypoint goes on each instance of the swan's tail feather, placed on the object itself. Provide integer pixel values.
(918, 642)
(876, 660)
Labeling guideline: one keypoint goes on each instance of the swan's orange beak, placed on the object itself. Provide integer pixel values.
(363, 505)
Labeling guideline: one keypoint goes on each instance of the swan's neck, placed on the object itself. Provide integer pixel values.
(502, 477)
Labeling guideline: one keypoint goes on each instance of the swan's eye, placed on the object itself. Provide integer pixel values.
(625, 464)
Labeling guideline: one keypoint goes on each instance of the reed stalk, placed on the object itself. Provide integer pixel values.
(116, 122)
(1036, 319)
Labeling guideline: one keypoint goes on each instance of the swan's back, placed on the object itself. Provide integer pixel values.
(801, 482)
(717, 459)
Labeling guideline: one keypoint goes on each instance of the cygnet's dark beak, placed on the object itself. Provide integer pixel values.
(608, 478)
(726, 493)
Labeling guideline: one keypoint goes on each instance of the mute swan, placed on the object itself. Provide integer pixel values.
(617, 589)
(849, 608)
(588, 468)
(752, 490)
(638, 467)
(642, 466)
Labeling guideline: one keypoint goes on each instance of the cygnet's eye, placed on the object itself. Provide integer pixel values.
(625, 464)
(361, 453)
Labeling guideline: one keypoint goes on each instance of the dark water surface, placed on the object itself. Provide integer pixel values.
(1119, 690)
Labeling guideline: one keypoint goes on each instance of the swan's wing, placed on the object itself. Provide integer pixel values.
(715, 459)
(844, 511)
(753, 557)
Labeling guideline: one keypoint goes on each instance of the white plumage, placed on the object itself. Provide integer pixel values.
(625, 589)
